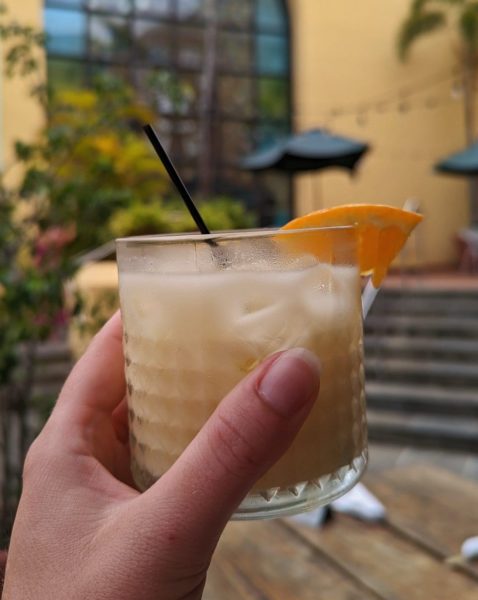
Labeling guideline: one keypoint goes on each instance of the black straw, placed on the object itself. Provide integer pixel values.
(175, 178)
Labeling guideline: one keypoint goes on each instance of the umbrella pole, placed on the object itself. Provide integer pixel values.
(317, 193)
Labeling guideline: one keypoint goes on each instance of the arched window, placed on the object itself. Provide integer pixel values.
(229, 59)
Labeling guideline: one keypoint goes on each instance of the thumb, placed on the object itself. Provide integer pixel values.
(251, 428)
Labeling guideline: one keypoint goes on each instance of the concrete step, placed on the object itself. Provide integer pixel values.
(438, 372)
(426, 305)
(54, 351)
(451, 433)
(433, 293)
(458, 326)
(408, 398)
(421, 346)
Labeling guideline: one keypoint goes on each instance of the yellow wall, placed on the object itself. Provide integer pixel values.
(343, 56)
(21, 117)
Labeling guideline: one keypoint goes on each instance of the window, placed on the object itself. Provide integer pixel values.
(244, 102)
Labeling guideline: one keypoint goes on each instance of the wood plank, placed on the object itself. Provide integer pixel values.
(395, 567)
(431, 504)
(263, 561)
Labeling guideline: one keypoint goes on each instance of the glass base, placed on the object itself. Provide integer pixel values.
(282, 502)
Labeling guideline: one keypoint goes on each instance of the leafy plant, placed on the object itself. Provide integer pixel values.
(428, 16)
(170, 216)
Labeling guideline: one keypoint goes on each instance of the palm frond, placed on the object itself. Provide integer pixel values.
(415, 26)
(468, 24)
(447, 2)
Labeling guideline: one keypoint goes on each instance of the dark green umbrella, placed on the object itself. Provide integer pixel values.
(309, 151)
(461, 163)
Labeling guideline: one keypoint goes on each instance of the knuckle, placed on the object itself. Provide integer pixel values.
(236, 452)
(33, 459)
(40, 459)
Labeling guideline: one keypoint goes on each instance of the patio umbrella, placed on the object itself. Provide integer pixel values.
(464, 162)
(309, 151)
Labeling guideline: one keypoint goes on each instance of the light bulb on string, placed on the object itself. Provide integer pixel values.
(431, 102)
(361, 118)
(403, 106)
(456, 91)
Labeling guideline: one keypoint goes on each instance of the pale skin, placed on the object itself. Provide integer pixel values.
(82, 529)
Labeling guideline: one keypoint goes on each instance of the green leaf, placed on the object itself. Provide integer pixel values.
(468, 24)
(24, 152)
(415, 27)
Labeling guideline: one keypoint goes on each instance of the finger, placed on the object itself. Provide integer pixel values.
(120, 421)
(96, 384)
(252, 427)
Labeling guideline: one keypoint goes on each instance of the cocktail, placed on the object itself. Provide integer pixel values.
(200, 312)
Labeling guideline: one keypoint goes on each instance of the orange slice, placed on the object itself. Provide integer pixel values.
(382, 232)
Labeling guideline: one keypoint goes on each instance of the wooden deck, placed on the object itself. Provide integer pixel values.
(407, 557)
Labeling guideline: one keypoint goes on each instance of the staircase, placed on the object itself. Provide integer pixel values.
(54, 362)
(421, 349)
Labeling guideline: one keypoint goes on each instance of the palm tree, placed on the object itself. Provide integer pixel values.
(428, 16)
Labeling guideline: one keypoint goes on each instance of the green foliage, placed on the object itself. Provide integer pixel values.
(89, 176)
(468, 24)
(428, 16)
(415, 27)
(142, 219)
(89, 161)
(223, 213)
(220, 214)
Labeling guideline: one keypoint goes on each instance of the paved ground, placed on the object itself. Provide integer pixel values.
(383, 457)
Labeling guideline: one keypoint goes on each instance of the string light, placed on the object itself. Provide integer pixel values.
(402, 101)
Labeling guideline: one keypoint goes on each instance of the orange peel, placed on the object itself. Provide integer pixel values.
(382, 232)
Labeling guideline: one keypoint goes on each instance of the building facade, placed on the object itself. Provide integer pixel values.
(282, 66)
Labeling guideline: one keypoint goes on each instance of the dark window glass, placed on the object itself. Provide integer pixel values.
(153, 41)
(273, 98)
(170, 94)
(111, 6)
(158, 8)
(190, 46)
(115, 70)
(270, 15)
(165, 129)
(187, 92)
(235, 142)
(67, 3)
(272, 54)
(66, 32)
(187, 140)
(66, 73)
(236, 13)
(235, 96)
(161, 47)
(190, 9)
(110, 38)
(267, 133)
(234, 51)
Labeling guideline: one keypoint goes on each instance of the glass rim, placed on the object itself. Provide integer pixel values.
(236, 234)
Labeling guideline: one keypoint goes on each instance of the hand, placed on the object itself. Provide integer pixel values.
(83, 531)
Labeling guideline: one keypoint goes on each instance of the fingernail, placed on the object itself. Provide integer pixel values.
(291, 381)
